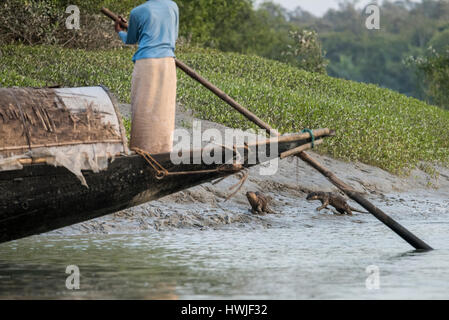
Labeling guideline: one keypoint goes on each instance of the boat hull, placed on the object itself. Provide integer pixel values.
(40, 197)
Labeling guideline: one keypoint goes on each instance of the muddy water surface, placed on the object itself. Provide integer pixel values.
(297, 254)
(193, 245)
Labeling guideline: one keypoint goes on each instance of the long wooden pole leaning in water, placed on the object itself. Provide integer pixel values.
(405, 234)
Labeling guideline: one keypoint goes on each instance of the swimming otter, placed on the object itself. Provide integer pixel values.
(258, 202)
(333, 199)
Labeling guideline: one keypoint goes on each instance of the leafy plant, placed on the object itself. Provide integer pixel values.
(43, 22)
(433, 69)
(306, 52)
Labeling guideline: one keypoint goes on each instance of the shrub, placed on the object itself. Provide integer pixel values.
(43, 22)
(306, 52)
(30, 22)
(433, 69)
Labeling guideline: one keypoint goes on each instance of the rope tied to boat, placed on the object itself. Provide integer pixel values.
(312, 136)
(162, 172)
(238, 185)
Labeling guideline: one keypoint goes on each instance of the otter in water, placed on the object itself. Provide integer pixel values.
(258, 202)
(333, 199)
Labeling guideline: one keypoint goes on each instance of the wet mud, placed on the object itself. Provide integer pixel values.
(204, 207)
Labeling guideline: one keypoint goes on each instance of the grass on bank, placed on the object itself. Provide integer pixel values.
(376, 126)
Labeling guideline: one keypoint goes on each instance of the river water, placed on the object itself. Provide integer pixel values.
(298, 254)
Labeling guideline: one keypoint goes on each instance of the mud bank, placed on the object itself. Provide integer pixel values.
(204, 206)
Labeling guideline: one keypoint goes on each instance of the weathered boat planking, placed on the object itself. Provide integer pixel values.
(40, 198)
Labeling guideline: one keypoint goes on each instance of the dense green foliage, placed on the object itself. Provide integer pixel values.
(377, 56)
(353, 52)
(305, 52)
(434, 69)
(376, 126)
(44, 22)
(227, 25)
(373, 56)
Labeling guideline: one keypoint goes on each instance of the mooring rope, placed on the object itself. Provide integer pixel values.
(161, 172)
(239, 184)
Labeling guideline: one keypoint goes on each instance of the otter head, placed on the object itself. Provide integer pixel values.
(251, 196)
(312, 196)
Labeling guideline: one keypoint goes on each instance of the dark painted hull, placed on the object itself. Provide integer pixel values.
(40, 198)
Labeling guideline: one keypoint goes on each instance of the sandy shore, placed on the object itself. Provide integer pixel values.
(204, 206)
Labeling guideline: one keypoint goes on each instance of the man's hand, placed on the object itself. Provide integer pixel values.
(118, 26)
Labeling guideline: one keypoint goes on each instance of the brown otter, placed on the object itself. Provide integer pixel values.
(258, 202)
(333, 199)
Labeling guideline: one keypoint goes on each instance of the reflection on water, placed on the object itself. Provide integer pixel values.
(306, 255)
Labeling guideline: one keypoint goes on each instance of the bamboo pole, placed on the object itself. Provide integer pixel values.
(401, 231)
(223, 96)
(297, 150)
(34, 161)
(219, 93)
(349, 191)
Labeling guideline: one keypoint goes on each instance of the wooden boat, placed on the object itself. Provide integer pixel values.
(40, 197)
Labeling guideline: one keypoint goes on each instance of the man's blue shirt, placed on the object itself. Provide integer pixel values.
(154, 26)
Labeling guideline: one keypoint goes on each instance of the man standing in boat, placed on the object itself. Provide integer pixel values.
(154, 26)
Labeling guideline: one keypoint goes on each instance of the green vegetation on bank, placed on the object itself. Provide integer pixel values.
(337, 43)
(374, 125)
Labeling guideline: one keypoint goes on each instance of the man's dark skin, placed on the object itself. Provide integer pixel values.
(333, 199)
(258, 202)
(118, 26)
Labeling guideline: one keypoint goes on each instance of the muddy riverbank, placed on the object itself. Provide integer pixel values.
(194, 245)
(205, 207)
